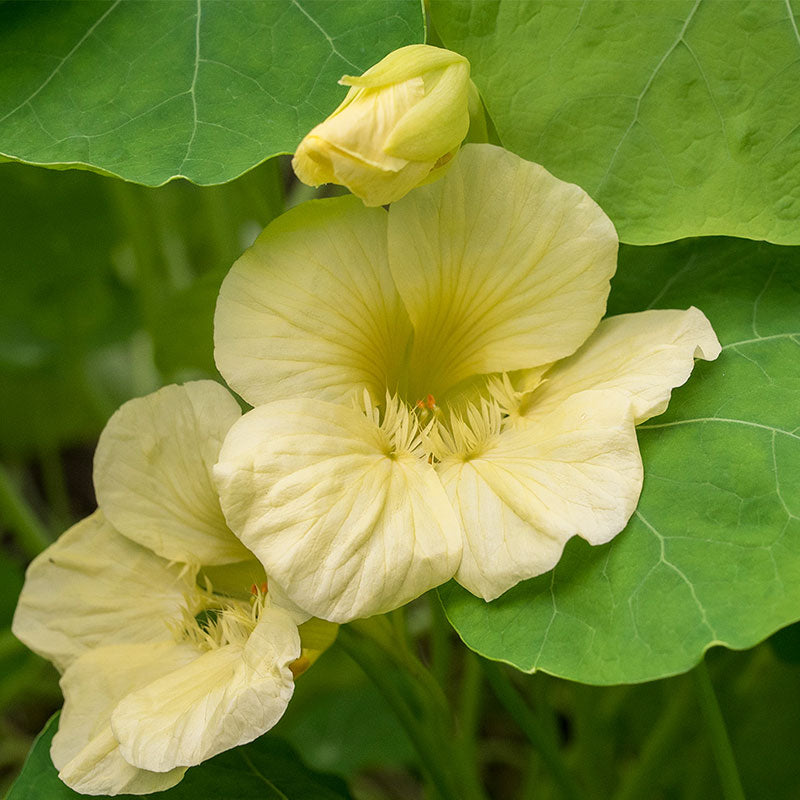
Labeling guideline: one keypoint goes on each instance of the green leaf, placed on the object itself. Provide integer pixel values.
(679, 116)
(149, 91)
(712, 554)
(268, 769)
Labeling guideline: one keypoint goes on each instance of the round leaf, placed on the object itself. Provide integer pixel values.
(712, 554)
(678, 117)
(149, 91)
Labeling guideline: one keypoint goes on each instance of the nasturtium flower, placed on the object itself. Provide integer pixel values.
(399, 125)
(172, 644)
(435, 394)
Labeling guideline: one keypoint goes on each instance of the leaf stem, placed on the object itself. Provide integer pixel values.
(421, 735)
(470, 705)
(717, 734)
(526, 720)
(658, 747)
(55, 486)
(440, 641)
(31, 535)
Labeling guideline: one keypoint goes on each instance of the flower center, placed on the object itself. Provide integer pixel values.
(210, 620)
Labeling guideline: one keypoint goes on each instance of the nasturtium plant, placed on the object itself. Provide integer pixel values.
(201, 90)
(712, 553)
(678, 117)
(469, 383)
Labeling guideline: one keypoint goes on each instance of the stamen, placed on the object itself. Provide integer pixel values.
(465, 433)
(397, 422)
(429, 402)
(210, 621)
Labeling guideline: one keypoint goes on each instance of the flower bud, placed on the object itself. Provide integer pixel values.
(401, 123)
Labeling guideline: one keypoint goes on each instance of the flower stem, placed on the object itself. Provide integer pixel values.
(718, 734)
(440, 640)
(418, 732)
(31, 535)
(419, 703)
(658, 747)
(525, 718)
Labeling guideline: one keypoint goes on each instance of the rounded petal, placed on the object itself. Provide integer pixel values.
(224, 698)
(349, 523)
(94, 587)
(152, 472)
(501, 267)
(644, 355)
(85, 750)
(310, 309)
(573, 471)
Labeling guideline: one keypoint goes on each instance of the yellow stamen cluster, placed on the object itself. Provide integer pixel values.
(210, 621)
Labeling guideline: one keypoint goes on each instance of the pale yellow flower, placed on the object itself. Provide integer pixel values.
(171, 643)
(400, 124)
(435, 393)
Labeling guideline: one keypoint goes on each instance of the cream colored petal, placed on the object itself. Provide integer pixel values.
(501, 267)
(645, 355)
(85, 750)
(376, 184)
(94, 587)
(311, 309)
(152, 472)
(224, 698)
(573, 471)
(349, 522)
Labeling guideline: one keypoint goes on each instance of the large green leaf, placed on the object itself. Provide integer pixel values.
(712, 554)
(267, 768)
(680, 117)
(206, 90)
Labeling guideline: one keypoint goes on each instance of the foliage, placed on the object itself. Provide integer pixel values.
(204, 90)
(715, 536)
(680, 118)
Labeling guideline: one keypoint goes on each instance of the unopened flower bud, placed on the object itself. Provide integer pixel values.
(401, 123)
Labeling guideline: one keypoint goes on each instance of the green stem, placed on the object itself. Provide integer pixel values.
(440, 641)
(470, 705)
(718, 734)
(55, 485)
(133, 208)
(420, 734)
(658, 748)
(31, 535)
(525, 718)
